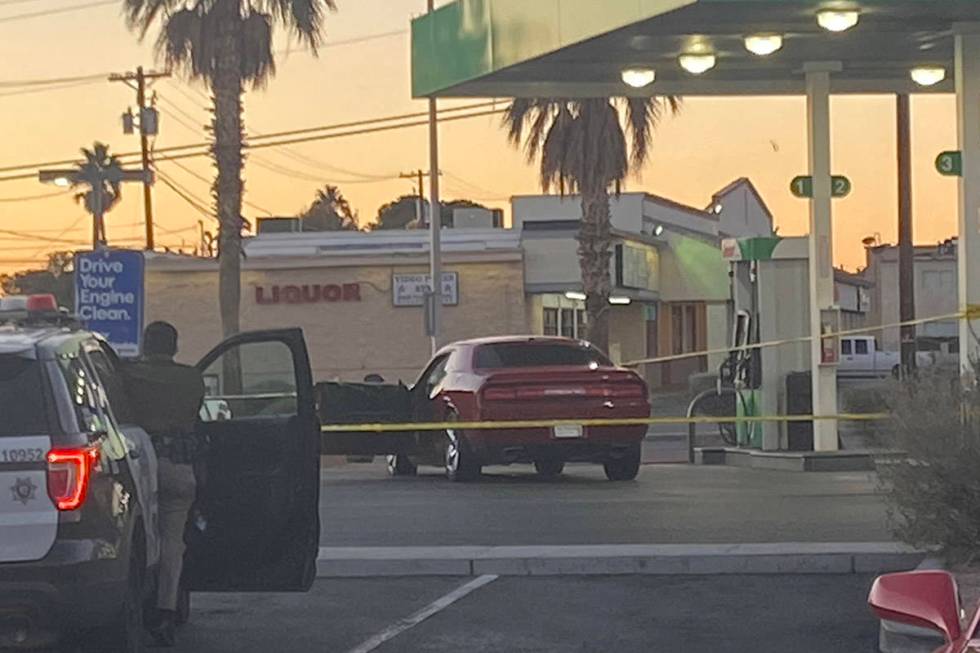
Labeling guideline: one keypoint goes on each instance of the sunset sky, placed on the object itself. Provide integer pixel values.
(363, 72)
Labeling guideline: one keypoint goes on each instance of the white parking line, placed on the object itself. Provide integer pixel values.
(433, 608)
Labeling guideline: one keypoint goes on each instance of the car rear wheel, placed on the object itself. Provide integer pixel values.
(461, 465)
(624, 468)
(549, 468)
(401, 465)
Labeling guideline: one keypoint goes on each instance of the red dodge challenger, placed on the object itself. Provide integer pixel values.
(501, 379)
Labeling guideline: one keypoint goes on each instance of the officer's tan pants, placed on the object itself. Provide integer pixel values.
(176, 495)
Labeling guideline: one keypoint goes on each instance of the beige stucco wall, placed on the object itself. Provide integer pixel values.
(627, 333)
(346, 339)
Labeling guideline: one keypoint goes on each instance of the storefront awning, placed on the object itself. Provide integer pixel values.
(578, 48)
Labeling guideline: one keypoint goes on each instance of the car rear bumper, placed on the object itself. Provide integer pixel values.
(597, 444)
(78, 586)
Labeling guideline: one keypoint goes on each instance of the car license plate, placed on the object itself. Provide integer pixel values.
(568, 431)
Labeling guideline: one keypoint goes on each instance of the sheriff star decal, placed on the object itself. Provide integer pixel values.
(24, 490)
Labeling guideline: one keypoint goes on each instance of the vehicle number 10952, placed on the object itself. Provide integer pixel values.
(21, 455)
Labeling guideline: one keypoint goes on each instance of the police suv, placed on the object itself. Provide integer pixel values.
(78, 515)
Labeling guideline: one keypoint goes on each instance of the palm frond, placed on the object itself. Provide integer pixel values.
(142, 14)
(643, 116)
(258, 62)
(185, 42)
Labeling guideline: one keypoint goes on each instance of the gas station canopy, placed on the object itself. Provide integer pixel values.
(579, 48)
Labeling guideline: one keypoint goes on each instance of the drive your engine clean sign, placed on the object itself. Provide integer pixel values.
(109, 296)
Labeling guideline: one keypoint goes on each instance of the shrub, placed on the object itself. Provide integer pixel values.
(934, 490)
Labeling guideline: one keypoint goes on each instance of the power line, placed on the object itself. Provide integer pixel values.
(5, 3)
(47, 89)
(185, 195)
(31, 198)
(209, 182)
(59, 10)
(351, 41)
(53, 80)
(255, 146)
(363, 178)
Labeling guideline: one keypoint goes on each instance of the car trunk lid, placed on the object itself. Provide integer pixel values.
(563, 392)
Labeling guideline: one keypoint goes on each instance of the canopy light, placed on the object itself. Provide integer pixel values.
(837, 21)
(928, 75)
(763, 44)
(658, 230)
(620, 301)
(639, 77)
(576, 296)
(697, 64)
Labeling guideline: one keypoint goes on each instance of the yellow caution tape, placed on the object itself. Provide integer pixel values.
(969, 314)
(550, 423)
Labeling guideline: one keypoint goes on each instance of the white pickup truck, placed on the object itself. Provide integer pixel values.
(860, 357)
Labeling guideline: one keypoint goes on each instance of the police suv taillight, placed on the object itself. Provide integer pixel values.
(69, 473)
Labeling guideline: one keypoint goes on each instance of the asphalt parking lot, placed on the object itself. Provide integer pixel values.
(642, 614)
(362, 506)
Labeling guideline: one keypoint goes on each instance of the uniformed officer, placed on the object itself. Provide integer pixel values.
(166, 398)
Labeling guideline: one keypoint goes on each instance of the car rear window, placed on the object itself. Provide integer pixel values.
(535, 354)
(21, 397)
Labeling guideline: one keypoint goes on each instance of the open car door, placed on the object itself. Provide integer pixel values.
(255, 526)
(365, 403)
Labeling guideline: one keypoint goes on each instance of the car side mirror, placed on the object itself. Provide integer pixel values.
(928, 599)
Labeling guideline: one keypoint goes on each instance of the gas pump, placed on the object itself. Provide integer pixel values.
(740, 383)
(741, 372)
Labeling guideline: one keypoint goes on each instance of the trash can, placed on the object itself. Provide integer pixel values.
(799, 401)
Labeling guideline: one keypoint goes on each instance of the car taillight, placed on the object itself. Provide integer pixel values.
(629, 390)
(69, 472)
(499, 394)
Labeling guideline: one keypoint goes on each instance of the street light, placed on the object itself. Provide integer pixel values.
(763, 44)
(837, 21)
(697, 64)
(639, 77)
(928, 75)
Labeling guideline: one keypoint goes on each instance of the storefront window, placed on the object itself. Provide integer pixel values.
(551, 321)
(567, 323)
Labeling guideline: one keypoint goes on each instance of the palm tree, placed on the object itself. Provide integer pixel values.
(330, 211)
(228, 44)
(101, 172)
(589, 146)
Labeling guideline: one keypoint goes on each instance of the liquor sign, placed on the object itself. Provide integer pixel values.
(410, 289)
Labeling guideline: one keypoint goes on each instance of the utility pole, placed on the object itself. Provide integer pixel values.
(906, 247)
(435, 221)
(420, 195)
(148, 126)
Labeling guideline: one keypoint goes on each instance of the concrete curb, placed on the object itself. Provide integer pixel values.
(655, 559)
